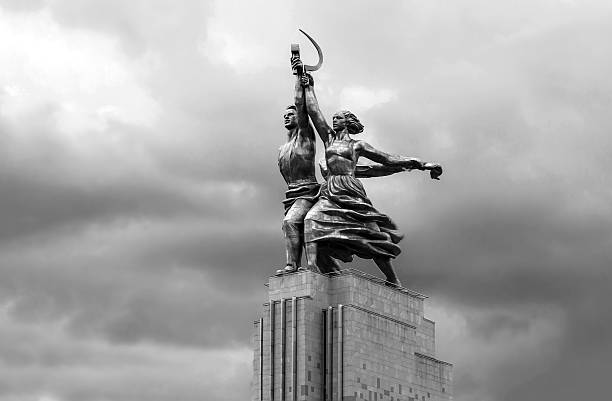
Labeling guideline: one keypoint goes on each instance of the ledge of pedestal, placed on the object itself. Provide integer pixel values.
(352, 288)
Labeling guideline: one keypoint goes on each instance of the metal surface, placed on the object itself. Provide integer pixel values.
(331, 223)
(309, 68)
(309, 212)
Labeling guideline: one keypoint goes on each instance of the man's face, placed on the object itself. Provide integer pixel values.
(290, 118)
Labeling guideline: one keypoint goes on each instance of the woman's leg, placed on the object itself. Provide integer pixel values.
(309, 239)
(311, 256)
(384, 264)
(326, 263)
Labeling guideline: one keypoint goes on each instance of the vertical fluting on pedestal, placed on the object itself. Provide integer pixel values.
(323, 338)
(329, 327)
(340, 353)
(261, 356)
(294, 348)
(272, 313)
(283, 349)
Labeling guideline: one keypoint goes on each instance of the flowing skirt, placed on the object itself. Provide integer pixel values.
(344, 222)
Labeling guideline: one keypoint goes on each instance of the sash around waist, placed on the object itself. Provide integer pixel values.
(303, 182)
(351, 174)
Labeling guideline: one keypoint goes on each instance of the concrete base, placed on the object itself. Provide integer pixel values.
(345, 337)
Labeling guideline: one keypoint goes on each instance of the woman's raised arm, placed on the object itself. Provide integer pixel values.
(312, 105)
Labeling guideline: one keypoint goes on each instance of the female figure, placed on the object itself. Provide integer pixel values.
(343, 221)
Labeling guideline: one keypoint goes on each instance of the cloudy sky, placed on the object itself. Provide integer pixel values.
(140, 196)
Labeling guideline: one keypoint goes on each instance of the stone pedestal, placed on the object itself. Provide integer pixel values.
(345, 337)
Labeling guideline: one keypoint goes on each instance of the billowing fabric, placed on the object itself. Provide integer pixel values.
(308, 191)
(344, 222)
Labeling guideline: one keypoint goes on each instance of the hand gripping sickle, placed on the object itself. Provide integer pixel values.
(295, 54)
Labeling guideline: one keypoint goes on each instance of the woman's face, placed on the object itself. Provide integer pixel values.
(338, 121)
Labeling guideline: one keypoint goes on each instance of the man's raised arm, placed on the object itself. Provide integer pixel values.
(304, 128)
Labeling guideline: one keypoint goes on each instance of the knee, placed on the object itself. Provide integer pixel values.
(292, 227)
(309, 217)
(291, 222)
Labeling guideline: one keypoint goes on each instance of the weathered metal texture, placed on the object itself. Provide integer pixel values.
(295, 54)
(339, 221)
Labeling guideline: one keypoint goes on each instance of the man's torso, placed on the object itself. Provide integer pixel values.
(296, 160)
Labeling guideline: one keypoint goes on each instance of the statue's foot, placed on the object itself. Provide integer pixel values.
(312, 268)
(287, 269)
(394, 283)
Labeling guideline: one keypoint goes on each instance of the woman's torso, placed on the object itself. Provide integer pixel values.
(341, 157)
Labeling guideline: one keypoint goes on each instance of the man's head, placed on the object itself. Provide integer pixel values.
(290, 117)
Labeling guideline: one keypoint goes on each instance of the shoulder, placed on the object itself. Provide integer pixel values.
(359, 144)
(283, 148)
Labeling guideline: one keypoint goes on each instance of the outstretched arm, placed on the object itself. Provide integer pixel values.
(366, 170)
(376, 170)
(368, 151)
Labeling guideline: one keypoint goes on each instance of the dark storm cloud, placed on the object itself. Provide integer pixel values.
(48, 365)
(43, 190)
(164, 300)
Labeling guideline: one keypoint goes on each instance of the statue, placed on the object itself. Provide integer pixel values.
(335, 220)
(297, 166)
(296, 161)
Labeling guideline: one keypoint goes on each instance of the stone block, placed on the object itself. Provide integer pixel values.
(374, 338)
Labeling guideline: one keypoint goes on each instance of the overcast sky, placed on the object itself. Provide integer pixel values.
(140, 194)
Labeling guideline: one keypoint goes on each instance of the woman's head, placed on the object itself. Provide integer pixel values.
(346, 119)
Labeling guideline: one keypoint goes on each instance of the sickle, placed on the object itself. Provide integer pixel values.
(313, 67)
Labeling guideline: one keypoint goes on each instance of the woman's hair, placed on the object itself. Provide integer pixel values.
(353, 125)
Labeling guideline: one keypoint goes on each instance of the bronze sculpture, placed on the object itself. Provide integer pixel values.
(342, 223)
(296, 161)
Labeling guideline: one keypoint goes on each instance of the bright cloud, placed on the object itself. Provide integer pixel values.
(241, 34)
(359, 98)
(83, 73)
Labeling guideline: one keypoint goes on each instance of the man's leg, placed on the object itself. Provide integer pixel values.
(311, 246)
(293, 228)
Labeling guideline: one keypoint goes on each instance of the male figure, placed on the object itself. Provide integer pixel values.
(296, 161)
